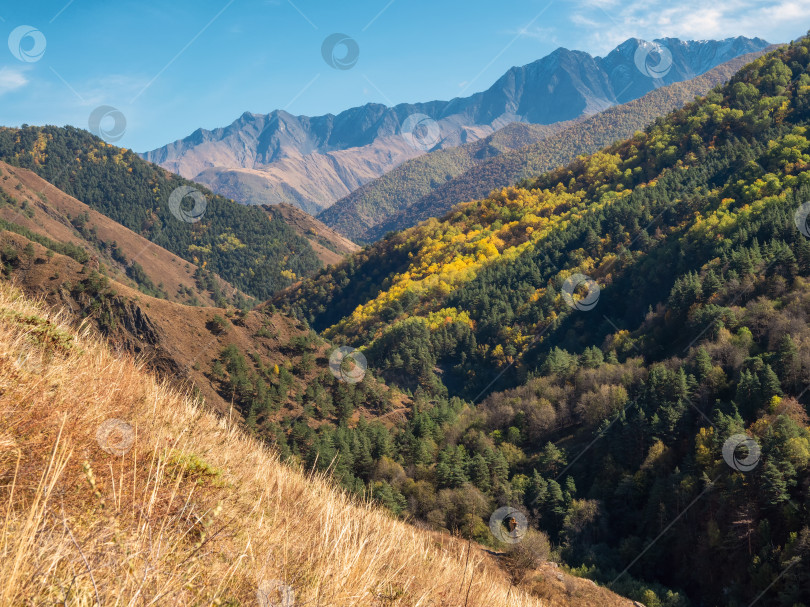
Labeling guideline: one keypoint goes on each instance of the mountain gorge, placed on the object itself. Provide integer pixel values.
(252, 371)
(311, 162)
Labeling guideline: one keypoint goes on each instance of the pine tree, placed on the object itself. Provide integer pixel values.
(458, 467)
(552, 459)
(570, 491)
(444, 476)
(479, 473)
(361, 453)
(498, 466)
(788, 362)
(711, 284)
(769, 384)
(451, 467)
(592, 357)
(554, 509)
(536, 492)
(703, 364)
(748, 391)
(775, 485)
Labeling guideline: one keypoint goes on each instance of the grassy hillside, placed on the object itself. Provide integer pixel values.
(177, 506)
(644, 305)
(240, 244)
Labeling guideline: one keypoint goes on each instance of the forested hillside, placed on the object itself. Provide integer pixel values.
(241, 244)
(33, 208)
(641, 307)
(403, 201)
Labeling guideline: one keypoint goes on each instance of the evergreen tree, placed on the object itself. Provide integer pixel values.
(552, 460)
(703, 364)
(788, 363)
(769, 384)
(479, 473)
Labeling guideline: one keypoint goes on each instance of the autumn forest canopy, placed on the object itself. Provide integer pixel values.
(700, 332)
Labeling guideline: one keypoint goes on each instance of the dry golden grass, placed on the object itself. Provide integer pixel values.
(196, 512)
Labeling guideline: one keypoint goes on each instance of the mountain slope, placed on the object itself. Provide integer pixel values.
(37, 207)
(403, 197)
(627, 322)
(254, 365)
(311, 162)
(385, 197)
(240, 244)
(442, 263)
(328, 245)
(180, 507)
(185, 345)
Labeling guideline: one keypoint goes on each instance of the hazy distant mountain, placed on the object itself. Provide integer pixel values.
(313, 161)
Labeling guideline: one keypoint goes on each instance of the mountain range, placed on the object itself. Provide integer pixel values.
(311, 162)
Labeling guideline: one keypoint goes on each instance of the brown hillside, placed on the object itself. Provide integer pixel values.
(178, 341)
(329, 245)
(48, 212)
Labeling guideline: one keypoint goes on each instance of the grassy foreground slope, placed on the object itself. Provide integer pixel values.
(194, 512)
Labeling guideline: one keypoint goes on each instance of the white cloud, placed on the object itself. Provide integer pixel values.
(604, 4)
(538, 33)
(11, 79)
(113, 89)
(611, 22)
(585, 21)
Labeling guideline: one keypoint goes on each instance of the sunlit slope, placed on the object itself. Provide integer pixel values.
(694, 187)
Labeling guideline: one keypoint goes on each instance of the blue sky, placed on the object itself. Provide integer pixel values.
(171, 67)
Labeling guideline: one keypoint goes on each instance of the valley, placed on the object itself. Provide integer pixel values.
(545, 344)
(649, 295)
